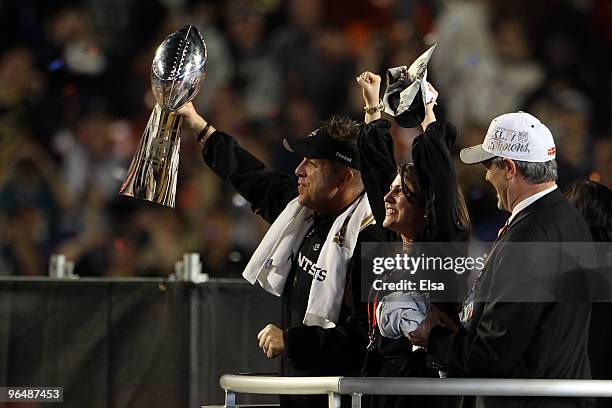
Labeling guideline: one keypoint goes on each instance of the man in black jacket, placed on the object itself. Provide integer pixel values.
(501, 335)
(328, 182)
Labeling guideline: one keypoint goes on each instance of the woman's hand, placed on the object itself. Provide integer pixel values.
(435, 317)
(370, 87)
(430, 116)
(432, 95)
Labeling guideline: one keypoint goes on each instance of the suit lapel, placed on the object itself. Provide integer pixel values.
(472, 307)
(548, 200)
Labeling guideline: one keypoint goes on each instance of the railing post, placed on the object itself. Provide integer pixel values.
(356, 400)
(333, 400)
(230, 399)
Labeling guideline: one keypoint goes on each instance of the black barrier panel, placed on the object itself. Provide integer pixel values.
(237, 312)
(132, 343)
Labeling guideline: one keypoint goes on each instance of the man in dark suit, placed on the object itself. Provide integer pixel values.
(507, 331)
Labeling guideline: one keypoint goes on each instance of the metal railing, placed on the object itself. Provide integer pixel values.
(358, 386)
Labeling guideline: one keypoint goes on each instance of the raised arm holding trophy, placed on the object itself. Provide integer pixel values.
(179, 67)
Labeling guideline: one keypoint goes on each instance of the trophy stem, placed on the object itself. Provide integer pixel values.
(153, 173)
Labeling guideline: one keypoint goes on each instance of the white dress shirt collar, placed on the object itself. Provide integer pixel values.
(528, 201)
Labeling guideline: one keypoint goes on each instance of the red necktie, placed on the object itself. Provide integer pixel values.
(503, 229)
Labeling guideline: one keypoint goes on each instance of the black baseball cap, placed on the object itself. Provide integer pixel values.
(320, 145)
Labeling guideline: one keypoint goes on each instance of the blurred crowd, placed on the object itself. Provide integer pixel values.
(75, 97)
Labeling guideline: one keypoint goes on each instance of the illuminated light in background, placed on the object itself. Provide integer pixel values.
(239, 201)
(119, 244)
(235, 256)
(55, 65)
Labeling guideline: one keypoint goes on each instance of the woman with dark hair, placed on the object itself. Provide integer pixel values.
(594, 203)
(424, 204)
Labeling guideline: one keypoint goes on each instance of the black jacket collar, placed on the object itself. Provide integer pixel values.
(546, 201)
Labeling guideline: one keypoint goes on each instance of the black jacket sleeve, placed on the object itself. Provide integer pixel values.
(517, 333)
(378, 167)
(268, 191)
(340, 349)
(431, 152)
(503, 327)
(495, 348)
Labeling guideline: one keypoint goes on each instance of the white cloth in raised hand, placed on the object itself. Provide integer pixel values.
(407, 82)
(400, 313)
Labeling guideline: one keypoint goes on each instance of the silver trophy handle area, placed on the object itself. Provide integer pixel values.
(153, 173)
(178, 69)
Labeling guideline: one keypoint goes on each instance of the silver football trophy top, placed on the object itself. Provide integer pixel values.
(179, 67)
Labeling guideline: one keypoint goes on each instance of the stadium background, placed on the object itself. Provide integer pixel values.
(75, 97)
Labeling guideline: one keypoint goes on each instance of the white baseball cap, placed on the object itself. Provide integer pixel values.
(517, 136)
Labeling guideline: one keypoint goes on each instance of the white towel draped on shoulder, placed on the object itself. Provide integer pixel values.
(272, 260)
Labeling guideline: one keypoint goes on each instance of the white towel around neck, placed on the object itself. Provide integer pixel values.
(272, 260)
